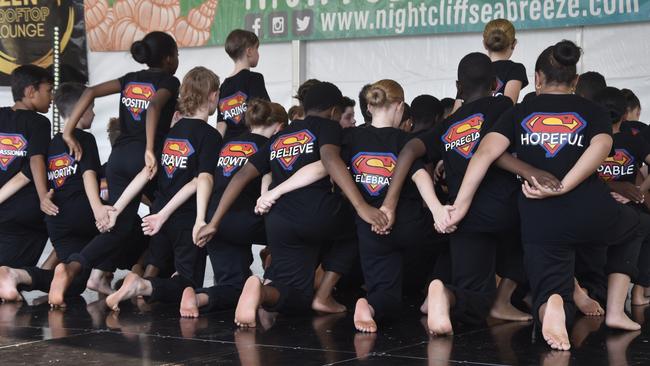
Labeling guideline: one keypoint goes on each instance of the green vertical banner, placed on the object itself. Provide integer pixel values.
(203, 23)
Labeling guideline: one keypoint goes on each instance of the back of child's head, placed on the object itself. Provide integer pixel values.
(66, 97)
(589, 84)
(195, 89)
(426, 110)
(303, 88)
(262, 113)
(448, 105)
(632, 102)
(613, 101)
(321, 97)
(295, 112)
(383, 93)
(476, 72)
(238, 41)
(348, 102)
(113, 129)
(25, 76)
(154, 48)
(558, 62)
(498, 35)
(363, 104)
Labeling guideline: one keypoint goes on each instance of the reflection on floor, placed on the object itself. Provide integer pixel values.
(86, 332)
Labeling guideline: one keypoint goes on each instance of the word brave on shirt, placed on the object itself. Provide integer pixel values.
(59, 168)
(175, 154)
(287, 148)
(234, 155)
(11, 146)
(463, 135)
(136, 98)
(373, 170)
(617, 165)
(234, 107)
(553, 131)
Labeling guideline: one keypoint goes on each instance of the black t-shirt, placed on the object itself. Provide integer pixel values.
(633, 127)
(138, 88)
(291, 149)
(454, 141)
(551, 132)
(508, 70)
(371, 154)
(64, 173)
(23, 134)
(189, 150)
(627, 156)
(234, 94)
(233, 155)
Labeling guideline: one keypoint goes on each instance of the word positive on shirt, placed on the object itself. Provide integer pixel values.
(11, 147)
(463, 135)
(234, 107)
(175, 154)
(136, 98)
(617, 165)
(288, 148)
(553, 131)
(234, 155)
(59, 168)
(373, 170)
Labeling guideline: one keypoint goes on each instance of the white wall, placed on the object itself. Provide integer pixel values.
(424, 64)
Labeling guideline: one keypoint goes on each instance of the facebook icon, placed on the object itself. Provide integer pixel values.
(253, 23)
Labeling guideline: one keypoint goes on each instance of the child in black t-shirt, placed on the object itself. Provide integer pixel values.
(147, 104)
(24, 138)
(242, 85)
(499, 40)
(570, 137)
(632, 119)
(589, 84)
(186, 167)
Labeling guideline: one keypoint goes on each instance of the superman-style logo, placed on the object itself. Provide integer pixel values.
(553, 131)
(287, 148)
(234, 155)
(11, 147)
(136, 97)
(463, 135)
(59, 168)
(373, 170)
(233, 107)
(175, 154)
(498, 88)
(617, 165)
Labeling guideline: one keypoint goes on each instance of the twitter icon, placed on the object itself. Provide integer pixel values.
(303, 23)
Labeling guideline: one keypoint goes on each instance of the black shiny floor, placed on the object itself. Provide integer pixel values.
(87, 333)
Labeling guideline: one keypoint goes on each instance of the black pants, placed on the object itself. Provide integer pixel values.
(42, 278)
(643, 279)
(22, 231)
(296, 250)
(550, 266)
(169, 290)
(382, 260)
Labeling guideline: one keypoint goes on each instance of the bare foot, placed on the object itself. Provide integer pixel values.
(133, 286)
(248, 303)
(586, 304)
(189, 304)
(553, 324)
(328, 305)
(363, 317)
(363, 344)
(620, 320)
(505, 311)
(60, 283)
(8, 284)
(424, 308)
(438, 318)
(102, 285)
(638, 295)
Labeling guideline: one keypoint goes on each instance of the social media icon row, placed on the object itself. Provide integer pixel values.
(277, 23)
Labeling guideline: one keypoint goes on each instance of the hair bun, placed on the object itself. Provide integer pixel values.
(497, 40)
(140, 52)
(566, 53)
(376, 96)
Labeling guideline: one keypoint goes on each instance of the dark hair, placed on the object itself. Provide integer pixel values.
(613, 101)
(238, 41)
(66, 96)
(363, 103)
(114, 130)
(589, 84)
(447, 104)
(426, 110)
(153, 49)
(294, 112)
(558, 62)
(476, 71)
(260, 112)
(28, 75)
(347, 102)
(322, 96)
(631, 100)
(303, 88)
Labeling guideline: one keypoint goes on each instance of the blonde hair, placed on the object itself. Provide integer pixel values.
(197, 85)
(263, 113)
(384, 92)
(498, 35)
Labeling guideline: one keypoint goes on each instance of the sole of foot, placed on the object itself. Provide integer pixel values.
(248, 303)
(553, 326)
(363, 319)
(438, 319)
